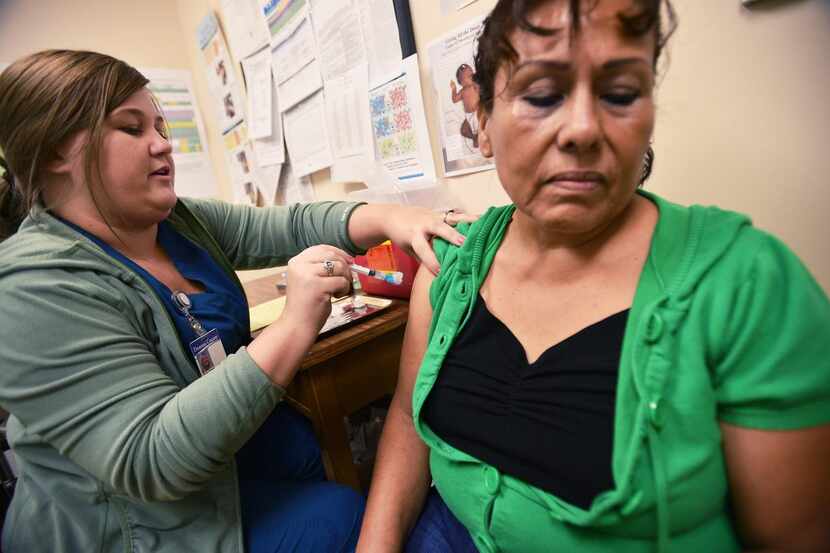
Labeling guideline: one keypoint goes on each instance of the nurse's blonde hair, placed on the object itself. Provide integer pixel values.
(45, 98)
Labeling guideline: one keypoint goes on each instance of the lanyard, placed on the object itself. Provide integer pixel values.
(184, 305)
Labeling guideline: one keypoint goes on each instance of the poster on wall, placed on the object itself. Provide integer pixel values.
(174, 91)
(264, 117)
(224, 89)
(245, 26)
(339, 37)
(294, 58)
(293, 189)
(345, 69)
(385, 37)
(243, 167)
(282, 17)
(363, 47)
(269, 178)
(399, 128)
(306, 136)
(349, 125)
(451, 66)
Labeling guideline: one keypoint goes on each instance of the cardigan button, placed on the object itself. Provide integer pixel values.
(462, 289)
(485, 544)
(492, 480)
(654, 330)
(656, 413)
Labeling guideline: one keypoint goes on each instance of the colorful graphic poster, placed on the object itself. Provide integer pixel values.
(282, 17)
(392, 121)
(452, 68)
(174, 91)
(294, 59)
(399, 127)
(176, 98)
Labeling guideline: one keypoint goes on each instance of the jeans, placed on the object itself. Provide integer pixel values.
(438, 531)
(287, 505)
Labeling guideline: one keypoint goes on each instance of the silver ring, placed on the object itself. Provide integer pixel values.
(446, 213)
(328, 265)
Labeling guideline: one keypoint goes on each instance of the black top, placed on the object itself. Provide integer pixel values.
(549, 423)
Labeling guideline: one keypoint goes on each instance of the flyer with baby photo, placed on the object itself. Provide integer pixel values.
(222, 83)
(456, 92)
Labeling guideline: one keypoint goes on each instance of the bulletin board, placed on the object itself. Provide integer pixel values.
(332, 90)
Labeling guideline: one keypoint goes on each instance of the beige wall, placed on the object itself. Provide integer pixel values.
(744, 117)
(145, 33)
(742, 109)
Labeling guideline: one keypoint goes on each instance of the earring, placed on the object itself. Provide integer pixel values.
(648, 164)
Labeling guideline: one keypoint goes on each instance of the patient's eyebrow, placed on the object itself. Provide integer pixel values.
(564, 66)
(622, 62)
(547, 65)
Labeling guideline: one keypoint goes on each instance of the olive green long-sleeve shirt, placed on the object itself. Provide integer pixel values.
(120, 445)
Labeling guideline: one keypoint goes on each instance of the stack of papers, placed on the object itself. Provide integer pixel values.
(343, 311)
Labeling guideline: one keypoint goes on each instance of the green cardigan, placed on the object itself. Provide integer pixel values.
(726, 325)
(120, 445)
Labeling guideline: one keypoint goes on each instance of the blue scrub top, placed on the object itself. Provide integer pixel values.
(221, 306)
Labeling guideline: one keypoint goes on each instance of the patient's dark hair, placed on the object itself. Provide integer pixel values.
(494, 48)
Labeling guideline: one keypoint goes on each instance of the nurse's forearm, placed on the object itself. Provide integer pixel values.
(280, 349)
(369, 224)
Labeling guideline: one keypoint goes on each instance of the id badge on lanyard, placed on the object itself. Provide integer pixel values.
(207, 349)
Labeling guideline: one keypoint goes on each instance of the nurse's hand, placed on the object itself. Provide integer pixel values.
(314, 277)
(410, 228)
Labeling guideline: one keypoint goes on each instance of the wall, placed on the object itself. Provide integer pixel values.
(743, 119)
(145, 34)
(742, 115)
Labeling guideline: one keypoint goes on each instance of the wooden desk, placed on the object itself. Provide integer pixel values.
(344, 371)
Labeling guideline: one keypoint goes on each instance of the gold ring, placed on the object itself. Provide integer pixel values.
(446, 213)
(328, 265)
